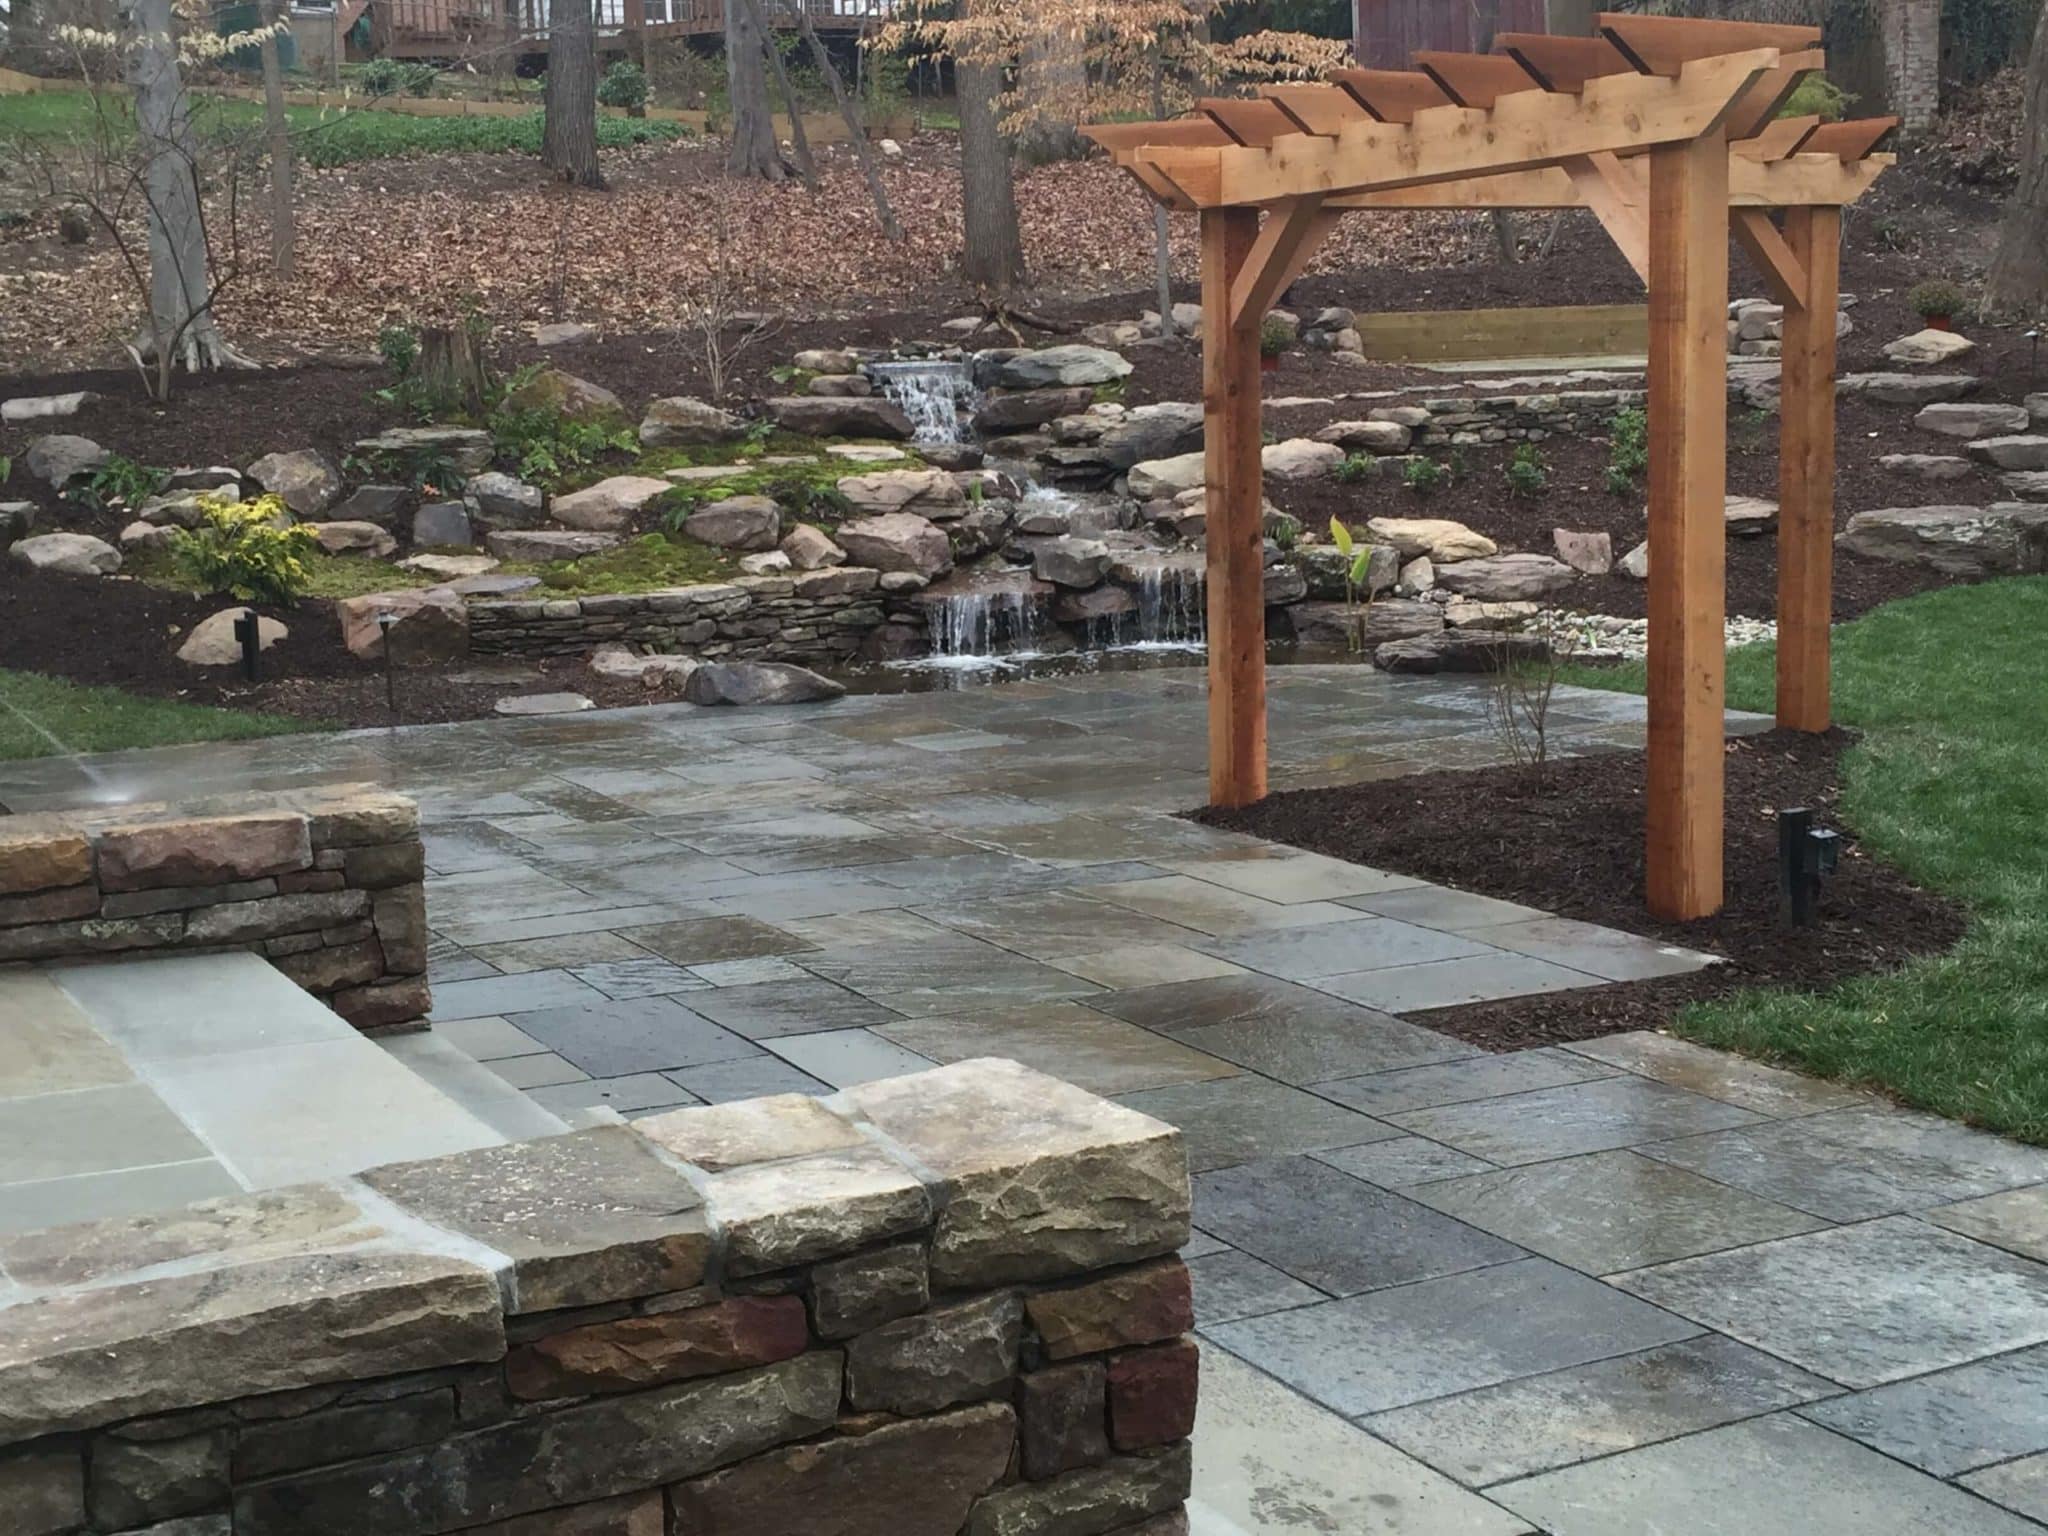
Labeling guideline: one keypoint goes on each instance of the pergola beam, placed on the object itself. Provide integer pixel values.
(1806, 469)
(1611, 190)
(1523, 131)
(1287, 242)
(1798, 182)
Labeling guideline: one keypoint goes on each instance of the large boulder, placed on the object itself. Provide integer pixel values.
(931, 493)
(810, 548)
(137, 538)
(897, 541)
(1972, 419)
(1327, 570)
(2027, 484)
(681, 422)
(564, 333)
(544, 546)
(1506, 578)
(1444, 541)
(1588, 553)
(826, 360)
(1460, 650)
(1367, 436)
(2021, 451)
(499, 500)
(1146, 432)
(625, 664)
(1368, 625)
(443, 525)
(468, 449)
(384, 505)
(1927, 466)
(737, 522)
(1066, 366)
(2009, 538)
(578, 399)
(61, 457)
(1027, 409)
(1281, 585)
(1749, 514)
(842, 385)
(213, 643)
(354, 539)
(823, 416)
(1069, 562)
(66, 554)
(182, 509)
(1925, 348)
(758, 682)
(305, 479)
(17, 518)
(44, 407)
(610, 505)
(1300, 458)
(1163, 479)
(427, 627)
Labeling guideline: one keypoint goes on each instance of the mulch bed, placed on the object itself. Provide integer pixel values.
(1575, 848)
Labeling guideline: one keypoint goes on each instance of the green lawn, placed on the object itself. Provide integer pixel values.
(324, 138)
(1948, 783)
(82, 719)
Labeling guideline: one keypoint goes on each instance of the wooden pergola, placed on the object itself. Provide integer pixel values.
(1668, 130)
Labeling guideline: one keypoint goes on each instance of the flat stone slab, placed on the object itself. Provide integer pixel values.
(1749, 1085)
(1865, 1304)
(1229, 1286)
(1580, 1117)
(543, 704)
(1331, 949)
(1773, 1474)
(1589, 1411)
(585, 1219)
(1463, 1081)
(1063, 1040)
(1339, 1234)
(1613, 1211)
(1403, 1162)
(2018, 1485)
(1242, 1119)
(1952, 1421)
(1386, 1349)
(2016, 1221)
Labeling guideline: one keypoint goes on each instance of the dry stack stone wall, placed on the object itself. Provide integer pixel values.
(324, 883)
(940, 1305)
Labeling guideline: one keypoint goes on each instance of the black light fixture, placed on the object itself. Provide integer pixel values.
(249, 634)
(2034, 362)
(1806, 855)
(384, 623)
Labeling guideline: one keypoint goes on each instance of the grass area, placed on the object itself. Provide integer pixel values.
(1946, 783)
(83, 719)
(645, 564)
(330, 575)
(323, 138)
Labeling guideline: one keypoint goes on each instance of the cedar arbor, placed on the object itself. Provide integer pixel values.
(1667, 129)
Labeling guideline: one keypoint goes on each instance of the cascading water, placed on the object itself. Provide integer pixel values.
(932, 392)
(1171, 607)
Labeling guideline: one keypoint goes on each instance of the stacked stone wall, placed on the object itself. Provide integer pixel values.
(941, 1305)
(325, 884)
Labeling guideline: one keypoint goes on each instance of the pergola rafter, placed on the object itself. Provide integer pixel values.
(1667, 130)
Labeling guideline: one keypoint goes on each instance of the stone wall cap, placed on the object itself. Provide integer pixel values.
(802, 1209)
(722, 1136)
(587, 1218)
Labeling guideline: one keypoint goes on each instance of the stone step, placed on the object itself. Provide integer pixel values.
(220, 1059)
(472, 1085)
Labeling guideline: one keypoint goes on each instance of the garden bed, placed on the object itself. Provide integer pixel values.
(1575, 848)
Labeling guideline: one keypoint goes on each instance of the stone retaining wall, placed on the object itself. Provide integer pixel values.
(1462, 420)
(323, 883)
(818, 617)
(939, 1305)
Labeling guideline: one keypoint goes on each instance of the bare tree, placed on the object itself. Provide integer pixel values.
(283, 230)
(751, 150)
(1485, 23)
(2018, 281)
(799, 141)
(856, 130)
(992, 257)
(568, 140)
(716, 316)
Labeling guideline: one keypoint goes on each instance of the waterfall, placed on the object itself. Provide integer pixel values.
(1171, 606)
(932, 393)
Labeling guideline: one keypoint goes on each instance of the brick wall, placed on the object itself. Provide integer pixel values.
(325, 884)
(940, 1305)
(1912, 58)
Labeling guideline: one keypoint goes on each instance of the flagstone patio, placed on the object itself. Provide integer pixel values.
(1624, 1286)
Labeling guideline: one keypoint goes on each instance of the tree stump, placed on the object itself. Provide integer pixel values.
(452, 366)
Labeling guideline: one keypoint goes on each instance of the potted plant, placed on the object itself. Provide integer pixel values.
(1275, 337)
(1937, 301)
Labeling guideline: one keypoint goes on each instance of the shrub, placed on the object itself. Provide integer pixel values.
(1275, 336)
(418, 79)
(1818, 96)
(1628, 453)
(623, 85)
(1527, 474)
(1937, 299)
(241, 550)
(1357, 467)
(1424, 476)
(542, 445)
(121, 483)
(382, 77)
(1284, 530)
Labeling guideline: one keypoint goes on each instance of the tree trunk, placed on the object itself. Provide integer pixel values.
(1162, 232)
(2018, 282)
(856, 130)
(453, 368)
(799, 141)
(1485, 23)
(568, 138)
(283, 233)
(752, 151)
(993, 257)
(1054, 73)
(181, 330)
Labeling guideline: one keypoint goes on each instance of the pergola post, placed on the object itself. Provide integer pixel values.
(1688, 384)
(1236, 574)
(1806, 470)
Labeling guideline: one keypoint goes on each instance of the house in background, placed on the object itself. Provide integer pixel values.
(1388, 31)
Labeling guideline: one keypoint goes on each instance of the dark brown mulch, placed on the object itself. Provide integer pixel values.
(1575, 848)
(124, 634)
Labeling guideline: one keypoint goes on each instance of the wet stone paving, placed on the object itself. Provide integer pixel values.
(1628, 1286)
